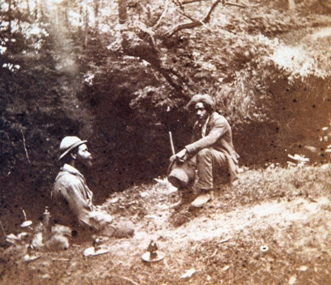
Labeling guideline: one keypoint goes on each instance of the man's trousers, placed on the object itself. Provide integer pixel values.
(211, 166)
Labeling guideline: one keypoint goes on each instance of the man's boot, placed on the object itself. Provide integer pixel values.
(203, 198)
(117, 232)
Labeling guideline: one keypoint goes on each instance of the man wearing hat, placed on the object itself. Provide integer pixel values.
(211, 149)
(73, 199)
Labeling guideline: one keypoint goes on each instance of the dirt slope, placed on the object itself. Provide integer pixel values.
(280, 238)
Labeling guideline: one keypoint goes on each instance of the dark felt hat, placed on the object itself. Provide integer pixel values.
(181, 173)
(206, 99)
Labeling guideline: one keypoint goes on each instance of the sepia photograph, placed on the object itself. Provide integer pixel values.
(165, 142)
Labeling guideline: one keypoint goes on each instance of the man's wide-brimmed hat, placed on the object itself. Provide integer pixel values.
(201, 98)
(69, 143)
(181, 174)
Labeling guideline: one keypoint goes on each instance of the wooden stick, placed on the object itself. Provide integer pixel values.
(25, 149)
(24, 214)
(4, 232)
(172, 143)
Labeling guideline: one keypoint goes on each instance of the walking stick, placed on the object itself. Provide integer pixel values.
(172, 144)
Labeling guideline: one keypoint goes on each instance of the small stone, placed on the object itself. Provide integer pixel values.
(46, 276)
(303, 268)
(292, 280)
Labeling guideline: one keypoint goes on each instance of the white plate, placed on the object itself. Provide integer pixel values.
(92, 251)
(147, 256)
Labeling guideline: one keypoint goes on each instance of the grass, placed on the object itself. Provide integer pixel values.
(257, 186)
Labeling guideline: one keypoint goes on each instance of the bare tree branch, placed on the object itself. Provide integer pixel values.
(150, 32)
(178, 3)
(146, 51)
(180, 27)
(162, 15)
(196, 22)
(236, 4)
(193, 23)
(190, 1)
(207, 18)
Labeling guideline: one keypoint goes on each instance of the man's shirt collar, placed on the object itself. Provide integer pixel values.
(71, 169)
(204, 127)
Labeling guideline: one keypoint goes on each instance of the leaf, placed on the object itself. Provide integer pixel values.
(188, 273)
(225, 268)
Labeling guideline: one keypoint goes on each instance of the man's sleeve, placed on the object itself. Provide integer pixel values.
(80, 206)
(220, 127)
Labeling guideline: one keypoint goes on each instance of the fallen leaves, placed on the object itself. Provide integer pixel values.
(188, 274)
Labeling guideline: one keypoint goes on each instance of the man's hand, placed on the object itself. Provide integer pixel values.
(182, 155)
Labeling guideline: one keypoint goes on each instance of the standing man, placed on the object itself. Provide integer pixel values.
(73, 199)
(211, 149)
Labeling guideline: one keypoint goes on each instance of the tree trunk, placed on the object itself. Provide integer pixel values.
(28, 6)
(80, 30)
(36, 10)
(41, 9)
(86, 27)
(65, 13)
(96, 12)
(122, 11)
(9, 19)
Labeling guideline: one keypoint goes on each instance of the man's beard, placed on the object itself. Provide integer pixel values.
(84, 164)
(88, 163)
(202, 120)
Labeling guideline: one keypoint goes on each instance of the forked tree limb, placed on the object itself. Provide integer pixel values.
(195, 22)
(179, 3)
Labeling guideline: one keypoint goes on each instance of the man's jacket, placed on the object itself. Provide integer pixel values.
(218, 136)
(73, 197)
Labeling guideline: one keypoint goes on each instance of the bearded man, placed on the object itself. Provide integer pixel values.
(211, 150)
(73, 198)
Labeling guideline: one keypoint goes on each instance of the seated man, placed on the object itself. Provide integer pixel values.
(211, 149)
(73, 198)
